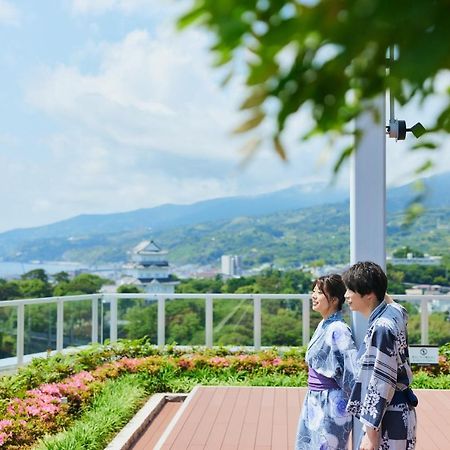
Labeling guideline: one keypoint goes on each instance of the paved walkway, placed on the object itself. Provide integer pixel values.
(265, 418)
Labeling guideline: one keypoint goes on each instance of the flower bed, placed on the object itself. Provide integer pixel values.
(49, 394)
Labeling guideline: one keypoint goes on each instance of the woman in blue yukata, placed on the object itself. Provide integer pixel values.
(381, 398)
(331, 356)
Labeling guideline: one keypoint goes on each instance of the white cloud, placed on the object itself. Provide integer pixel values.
(9, 13)
(149, 125)
(125, 6)
(149, 94)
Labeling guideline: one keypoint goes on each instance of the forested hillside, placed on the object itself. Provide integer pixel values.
(286, 238)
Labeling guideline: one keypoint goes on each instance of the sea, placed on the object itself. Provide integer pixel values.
(15, 269)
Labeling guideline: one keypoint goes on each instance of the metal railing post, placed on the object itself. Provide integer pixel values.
(59, 325)
(257, 322)
(424, 321)
(20, 334)
(305, 322)
(94, 319)
(161, 321)
(208, 321)
(113, 320)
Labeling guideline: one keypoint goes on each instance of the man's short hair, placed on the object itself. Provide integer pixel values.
(366, 277)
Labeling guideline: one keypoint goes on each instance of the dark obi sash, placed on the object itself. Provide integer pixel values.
(407, 396)
(318, 382)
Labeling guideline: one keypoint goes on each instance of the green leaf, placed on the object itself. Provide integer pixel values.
(428, 164)
(345, 154)
(191, 17)
(425, 145)
(256, 98)
(250, 123)
(279, 148)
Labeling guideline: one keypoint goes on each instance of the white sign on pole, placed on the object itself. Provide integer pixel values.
(423, 354)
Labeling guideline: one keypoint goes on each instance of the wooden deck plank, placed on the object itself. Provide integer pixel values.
(195, 413)
(295, 401)
(433, 419)
(236, 423)
(202, 432)
(263, 418)
(153, 432)
(250, 426)
(216, 438)
(190, 411)
(280, 419)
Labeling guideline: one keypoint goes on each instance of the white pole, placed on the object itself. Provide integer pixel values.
(161, 321)
(113, 320)
(208, 321)
(257, 322)
(368, 203)
(20, 334)
(368, 197)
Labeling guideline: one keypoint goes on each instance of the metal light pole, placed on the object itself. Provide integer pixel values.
(368, 197)
(368, 204)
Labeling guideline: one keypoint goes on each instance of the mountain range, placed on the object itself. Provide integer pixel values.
(283, 227)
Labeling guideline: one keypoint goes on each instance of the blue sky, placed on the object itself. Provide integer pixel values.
(104, 107)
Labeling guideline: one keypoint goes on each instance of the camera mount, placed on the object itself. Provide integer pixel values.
(397, 128)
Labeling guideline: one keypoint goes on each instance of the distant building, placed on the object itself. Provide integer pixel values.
(149, 269)
(425, 289)
(231, 265)
(410, 259)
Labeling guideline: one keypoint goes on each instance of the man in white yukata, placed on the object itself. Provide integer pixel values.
(381, 397)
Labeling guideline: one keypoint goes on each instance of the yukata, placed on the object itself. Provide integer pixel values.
(378, 397)
(331, 356)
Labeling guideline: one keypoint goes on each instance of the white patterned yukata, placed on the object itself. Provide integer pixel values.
(331, 356)
(384, 370)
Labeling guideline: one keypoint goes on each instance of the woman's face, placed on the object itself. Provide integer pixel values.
(321, 304)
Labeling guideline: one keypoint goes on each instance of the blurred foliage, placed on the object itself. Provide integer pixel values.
(326, 58)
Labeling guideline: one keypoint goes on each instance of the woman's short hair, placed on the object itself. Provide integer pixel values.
(333, 287)
(366, 277)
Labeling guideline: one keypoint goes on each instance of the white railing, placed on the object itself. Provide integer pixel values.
(113, 299)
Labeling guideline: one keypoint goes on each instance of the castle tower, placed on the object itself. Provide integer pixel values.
(149, 269)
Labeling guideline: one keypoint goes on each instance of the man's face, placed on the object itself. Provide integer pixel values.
(356, 301)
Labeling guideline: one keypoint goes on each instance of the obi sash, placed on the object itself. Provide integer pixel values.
(318, 382)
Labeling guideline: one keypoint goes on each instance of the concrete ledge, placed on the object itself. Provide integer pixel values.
(135, 427)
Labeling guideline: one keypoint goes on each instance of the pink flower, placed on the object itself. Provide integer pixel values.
(5, 423)
(219, 361)
(3, 437)
(33, 410)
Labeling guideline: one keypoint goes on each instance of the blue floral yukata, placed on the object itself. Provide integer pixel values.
(331, 356)
(378, 397)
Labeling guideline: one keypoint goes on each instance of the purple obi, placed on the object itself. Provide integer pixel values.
(318, 382)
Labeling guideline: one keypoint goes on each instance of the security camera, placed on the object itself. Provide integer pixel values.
(397, 129)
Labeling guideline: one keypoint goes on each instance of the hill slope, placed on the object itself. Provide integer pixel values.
(202, 232)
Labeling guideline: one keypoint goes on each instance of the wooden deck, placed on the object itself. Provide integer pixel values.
(265, 418)
(156, 428)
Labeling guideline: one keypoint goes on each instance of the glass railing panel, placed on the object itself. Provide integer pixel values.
(40, 328)
(233, 322)
(185, 321)
(414, 320)
(137, 318)
(8, 331)
(77, 323)
(281, 322)
(439, 322)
